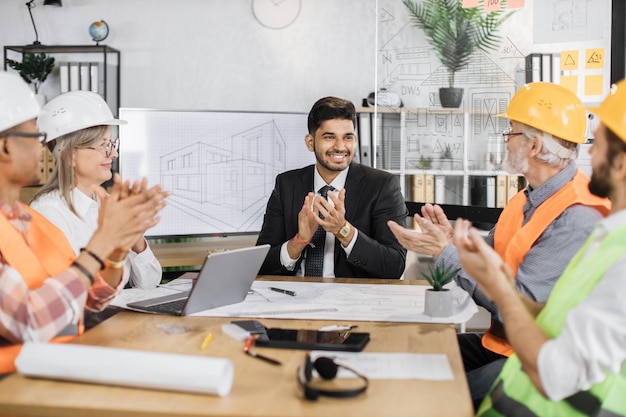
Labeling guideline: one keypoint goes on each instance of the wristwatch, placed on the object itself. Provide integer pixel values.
(344, 231)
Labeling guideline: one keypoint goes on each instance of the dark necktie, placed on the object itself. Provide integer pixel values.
(314, 265)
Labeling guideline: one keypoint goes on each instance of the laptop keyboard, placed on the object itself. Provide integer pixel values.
(173, 307)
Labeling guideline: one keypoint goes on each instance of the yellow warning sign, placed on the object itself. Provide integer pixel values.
(569, 60)
(594, 58)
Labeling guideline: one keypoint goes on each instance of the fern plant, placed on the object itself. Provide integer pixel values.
(34, 68)
(455, 32)
(439, 275)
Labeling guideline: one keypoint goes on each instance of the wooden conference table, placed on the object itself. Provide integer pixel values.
(259, 388)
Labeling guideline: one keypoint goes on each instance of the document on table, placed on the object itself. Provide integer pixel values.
(325, 301)
(433, 367)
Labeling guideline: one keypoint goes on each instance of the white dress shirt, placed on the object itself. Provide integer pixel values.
(593, 340)
(142, 269)
(329, 245)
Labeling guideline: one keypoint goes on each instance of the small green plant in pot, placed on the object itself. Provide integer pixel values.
(34, 68)
(455, 33)
(425, 162)
(438, 300)
(446, 157)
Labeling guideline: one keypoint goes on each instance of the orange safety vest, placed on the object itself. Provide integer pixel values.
(44, 254)
(512, 241)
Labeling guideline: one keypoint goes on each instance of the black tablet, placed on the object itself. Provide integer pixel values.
(345, 340)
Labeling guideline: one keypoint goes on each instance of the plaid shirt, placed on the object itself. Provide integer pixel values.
(39, 315)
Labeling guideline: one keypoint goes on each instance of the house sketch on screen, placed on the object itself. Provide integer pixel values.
(225, 183)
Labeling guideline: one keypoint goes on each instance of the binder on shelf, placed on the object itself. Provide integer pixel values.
(513, 188)
(365, 139)
(47, 165)
(546, 67)
(417, 188)
(64, 76)
(556, 68)
(85, 76)
(539, 67)
(110, 89)
(491, 191)
(388, 141)
(478, 191)
(74, 76)
(501, 190)
(429, 188)
(97, 77)
(533, 68)
(440, 189)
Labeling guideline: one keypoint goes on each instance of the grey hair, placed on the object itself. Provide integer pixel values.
(63, 178)
(555, 151)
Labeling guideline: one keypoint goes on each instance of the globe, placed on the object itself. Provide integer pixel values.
(99, 30)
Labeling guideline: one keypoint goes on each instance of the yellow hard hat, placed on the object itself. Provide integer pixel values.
(550, 108)
(612, 111)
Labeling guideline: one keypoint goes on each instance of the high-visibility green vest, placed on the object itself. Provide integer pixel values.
(513, 394)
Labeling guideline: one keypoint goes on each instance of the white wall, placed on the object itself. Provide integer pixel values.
(212, 54)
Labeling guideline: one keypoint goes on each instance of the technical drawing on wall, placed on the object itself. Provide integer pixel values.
(460, 151)
(569, 20)
(219, 166)
(408, 66)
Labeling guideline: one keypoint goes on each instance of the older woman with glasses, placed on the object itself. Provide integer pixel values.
(78, 126)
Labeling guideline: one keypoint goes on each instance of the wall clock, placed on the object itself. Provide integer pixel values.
(276, 14)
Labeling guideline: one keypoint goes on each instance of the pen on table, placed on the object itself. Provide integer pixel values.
(248, 351)
(206, 341)
(288, 292)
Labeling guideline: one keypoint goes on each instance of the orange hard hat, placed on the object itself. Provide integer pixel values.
(612, 111)
(550, 108)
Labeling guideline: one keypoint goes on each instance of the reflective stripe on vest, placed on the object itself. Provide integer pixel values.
(512, 240)
(48, 254)
(513, 386)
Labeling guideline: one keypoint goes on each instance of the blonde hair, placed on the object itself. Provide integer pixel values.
(63, 177)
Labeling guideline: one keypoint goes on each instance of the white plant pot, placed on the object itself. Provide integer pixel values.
(438, 303)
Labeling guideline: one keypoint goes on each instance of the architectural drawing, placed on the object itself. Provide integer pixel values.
(408, 66)
(222, 175)
(569, 20)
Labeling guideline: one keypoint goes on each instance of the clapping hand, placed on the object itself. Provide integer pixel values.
(436, 215)
(429, 240)
(481, 262)
(128, 211)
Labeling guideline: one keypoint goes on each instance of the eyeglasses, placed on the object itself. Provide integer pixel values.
(40, 136)
(507, 133)
(108, 148)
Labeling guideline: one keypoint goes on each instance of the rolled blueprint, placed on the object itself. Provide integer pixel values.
(126, 367)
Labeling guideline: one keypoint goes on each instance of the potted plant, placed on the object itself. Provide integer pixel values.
(455, 33)
(425, 162)
(438, 300)
(34, 68)
(446, 157)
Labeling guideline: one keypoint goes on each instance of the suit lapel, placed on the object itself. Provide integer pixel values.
(355, 176)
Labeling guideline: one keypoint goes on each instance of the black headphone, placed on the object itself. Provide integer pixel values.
(327, 368)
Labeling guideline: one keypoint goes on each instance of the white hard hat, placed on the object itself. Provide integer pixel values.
(17, 101)
(74, 111)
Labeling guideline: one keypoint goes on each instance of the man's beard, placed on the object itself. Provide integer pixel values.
(600, 184)
(516, 163)
(320, 159)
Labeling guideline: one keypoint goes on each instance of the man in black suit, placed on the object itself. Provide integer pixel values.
(352, 221)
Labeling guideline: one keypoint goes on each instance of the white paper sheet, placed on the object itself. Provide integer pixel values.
(434, 367)
(328, 301)
(133, 368)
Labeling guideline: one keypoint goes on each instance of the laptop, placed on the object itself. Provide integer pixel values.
(225, 278)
